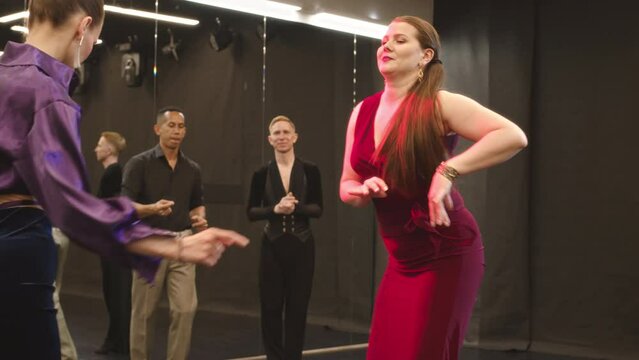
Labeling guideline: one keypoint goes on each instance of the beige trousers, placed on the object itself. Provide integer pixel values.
(67, 348)
(180, 286)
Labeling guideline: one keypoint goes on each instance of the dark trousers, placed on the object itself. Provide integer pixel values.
(28, 259)
(286, 278)
(116, 287)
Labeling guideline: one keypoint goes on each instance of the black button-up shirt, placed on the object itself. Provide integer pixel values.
(148, 177)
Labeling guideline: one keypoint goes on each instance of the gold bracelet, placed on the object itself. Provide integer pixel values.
(446, 171)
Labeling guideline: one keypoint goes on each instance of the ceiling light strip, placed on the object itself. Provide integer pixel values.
(292, 13)
(150, 15)
(119, 10)
(262, 8)
(13, 17)
(20, 28)
(24, 30)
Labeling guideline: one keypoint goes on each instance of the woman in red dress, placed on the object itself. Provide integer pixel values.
(399, 154)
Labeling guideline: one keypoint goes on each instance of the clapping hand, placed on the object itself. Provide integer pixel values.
(199, 223)
(286, 206)
(163, 207)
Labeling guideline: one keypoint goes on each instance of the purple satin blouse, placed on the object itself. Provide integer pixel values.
(40, 155)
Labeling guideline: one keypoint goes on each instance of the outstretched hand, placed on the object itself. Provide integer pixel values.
(439, 200)
(373, 187)
(206, 247)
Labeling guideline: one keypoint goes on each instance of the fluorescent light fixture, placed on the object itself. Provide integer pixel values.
(1, 52)
(25, 30)
(13, 17)
(348, 25)
(151, 15)
(292, 13)
(19, 28)
(118, 10)
(257, 7)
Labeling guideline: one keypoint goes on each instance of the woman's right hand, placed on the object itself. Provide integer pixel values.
(373, 187)
(206, 247)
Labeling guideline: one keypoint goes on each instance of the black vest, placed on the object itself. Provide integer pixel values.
(278, 225)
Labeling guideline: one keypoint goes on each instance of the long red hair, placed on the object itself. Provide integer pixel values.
(413, 145)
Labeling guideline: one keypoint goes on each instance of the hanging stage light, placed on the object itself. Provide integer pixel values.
(221, 36)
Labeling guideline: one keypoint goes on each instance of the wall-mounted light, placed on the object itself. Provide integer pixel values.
(118, 10)
(288, 12)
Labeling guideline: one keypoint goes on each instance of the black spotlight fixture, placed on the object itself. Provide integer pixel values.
(221, 36)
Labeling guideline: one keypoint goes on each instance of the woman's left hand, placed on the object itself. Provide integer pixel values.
(439, 200)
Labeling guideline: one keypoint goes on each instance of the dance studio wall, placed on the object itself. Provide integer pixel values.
(558, 220)
(309, 77)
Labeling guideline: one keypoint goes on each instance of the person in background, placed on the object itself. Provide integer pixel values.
(160, 173)
(67, 347)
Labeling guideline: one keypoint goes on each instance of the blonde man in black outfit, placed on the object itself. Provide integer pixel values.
(286, 192)
(116, 279)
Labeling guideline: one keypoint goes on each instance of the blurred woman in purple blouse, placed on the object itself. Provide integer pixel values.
(43, 181)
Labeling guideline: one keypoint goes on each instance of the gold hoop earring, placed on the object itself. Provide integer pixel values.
(420, 75)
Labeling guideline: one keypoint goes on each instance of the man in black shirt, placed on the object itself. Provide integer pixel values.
(116, 279)
(164, 172)
(287, 192)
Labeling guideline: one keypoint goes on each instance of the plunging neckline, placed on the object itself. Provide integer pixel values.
(281, 181)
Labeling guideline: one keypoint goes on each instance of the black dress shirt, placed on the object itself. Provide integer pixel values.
(148, 177)
(111, 181)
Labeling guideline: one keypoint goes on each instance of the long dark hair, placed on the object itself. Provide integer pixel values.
(59, 11)
(413, 145)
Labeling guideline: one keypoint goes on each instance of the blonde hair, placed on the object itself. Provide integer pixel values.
(116, 140)
(279, 118)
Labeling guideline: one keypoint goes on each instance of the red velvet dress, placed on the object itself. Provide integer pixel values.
(426, 296)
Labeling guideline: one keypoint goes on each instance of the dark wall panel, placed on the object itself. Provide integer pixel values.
(584, 202)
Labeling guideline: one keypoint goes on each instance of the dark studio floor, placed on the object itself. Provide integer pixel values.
(220, 336)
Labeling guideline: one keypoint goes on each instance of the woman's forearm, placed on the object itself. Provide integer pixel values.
(350, 199)
(494, 148)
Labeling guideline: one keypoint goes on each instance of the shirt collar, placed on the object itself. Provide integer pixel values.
(16, 54)
(158, 153)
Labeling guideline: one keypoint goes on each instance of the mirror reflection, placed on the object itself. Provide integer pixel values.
(180, 116)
